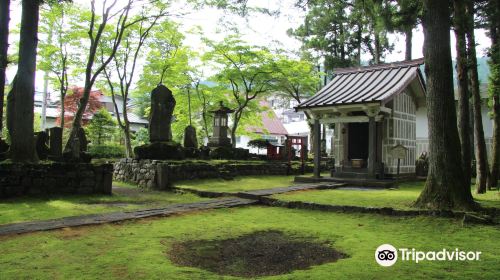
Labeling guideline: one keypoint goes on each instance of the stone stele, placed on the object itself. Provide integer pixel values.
(162, 108)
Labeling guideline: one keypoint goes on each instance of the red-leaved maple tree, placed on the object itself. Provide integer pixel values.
(71, 102)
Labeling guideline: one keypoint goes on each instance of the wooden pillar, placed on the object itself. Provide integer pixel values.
(372, 140)
(317, 148)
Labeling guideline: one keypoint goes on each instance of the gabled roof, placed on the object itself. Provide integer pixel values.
(271, 124)
(377, 83)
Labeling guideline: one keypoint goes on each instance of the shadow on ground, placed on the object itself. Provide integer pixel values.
(261, 253)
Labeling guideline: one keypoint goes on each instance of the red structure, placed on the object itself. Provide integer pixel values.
(274, 152)
(299, 142)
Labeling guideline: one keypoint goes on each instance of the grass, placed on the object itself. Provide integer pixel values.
(238, 184)
(128, 198)
(137, 250)
(401, 198)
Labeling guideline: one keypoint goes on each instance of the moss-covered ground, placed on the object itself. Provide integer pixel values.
(138, 250)
(126, 197)
(398, 198)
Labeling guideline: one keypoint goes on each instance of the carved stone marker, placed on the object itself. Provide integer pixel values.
(55, 141)
(160, 134)
(190, 140)
(160, 118)
(42, 149)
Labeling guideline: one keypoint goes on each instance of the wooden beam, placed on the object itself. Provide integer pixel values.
(349, 119)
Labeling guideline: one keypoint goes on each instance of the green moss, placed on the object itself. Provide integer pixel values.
(238, 184)
(31, 208)
(401, 198)
(137, 250)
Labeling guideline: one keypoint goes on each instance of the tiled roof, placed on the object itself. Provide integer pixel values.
(366, 84)
(271, 124)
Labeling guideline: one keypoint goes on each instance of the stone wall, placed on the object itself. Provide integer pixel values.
(159, 174)
(54, 178)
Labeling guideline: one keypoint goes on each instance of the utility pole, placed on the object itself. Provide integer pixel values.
(45, 89)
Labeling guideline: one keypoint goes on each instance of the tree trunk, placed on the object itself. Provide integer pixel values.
(494, 92)
(21, 98)
(126, 131)
(376, 56)
(408, 44)
(4, 45)
(77, 120)
(463, 89)
(237, 116)
(445, 187)
(481, 157)
(359, 42)
(63, 112)
(495, 150)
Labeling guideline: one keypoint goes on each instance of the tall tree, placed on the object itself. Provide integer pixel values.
(460, 21)
(326, 33)
(493, 16)
(92, 71)
(406, 18)
(125, 62)
(445, 187)
(166, 62)
(247, 71)
(20, 101)
(480, 153)
(58, 55)
(4, 45)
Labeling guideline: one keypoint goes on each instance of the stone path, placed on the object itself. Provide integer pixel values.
(273, 191)
(255, 194)
(96, 219)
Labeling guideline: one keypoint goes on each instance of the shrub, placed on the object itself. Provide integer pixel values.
(107, 151)
(229, 153)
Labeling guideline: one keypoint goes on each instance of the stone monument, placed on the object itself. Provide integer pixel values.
(55, 142)
(190, 140)
(160, 133)
(160, 118)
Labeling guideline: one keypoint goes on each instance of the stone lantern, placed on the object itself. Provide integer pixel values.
(219, 137)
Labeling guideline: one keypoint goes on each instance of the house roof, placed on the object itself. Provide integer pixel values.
(271, 124)
(377, 83)
(133, 118)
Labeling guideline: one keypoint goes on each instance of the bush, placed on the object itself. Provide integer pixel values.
(229, 153)
(160, 151)
(107, 151)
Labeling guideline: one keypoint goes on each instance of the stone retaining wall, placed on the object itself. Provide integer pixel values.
(54, 178)
(157, 174)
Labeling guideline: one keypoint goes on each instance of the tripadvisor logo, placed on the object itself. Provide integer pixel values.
(387, 255)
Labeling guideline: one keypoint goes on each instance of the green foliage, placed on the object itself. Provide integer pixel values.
(298, 79)
(229, 153)
(140, 137)
(167, 62)
(245, 73)
(107, 151)
(61, 25)
(339, 31)
(258, 143)
(101, 127)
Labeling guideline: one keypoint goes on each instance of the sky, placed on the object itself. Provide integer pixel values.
(258, 29)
